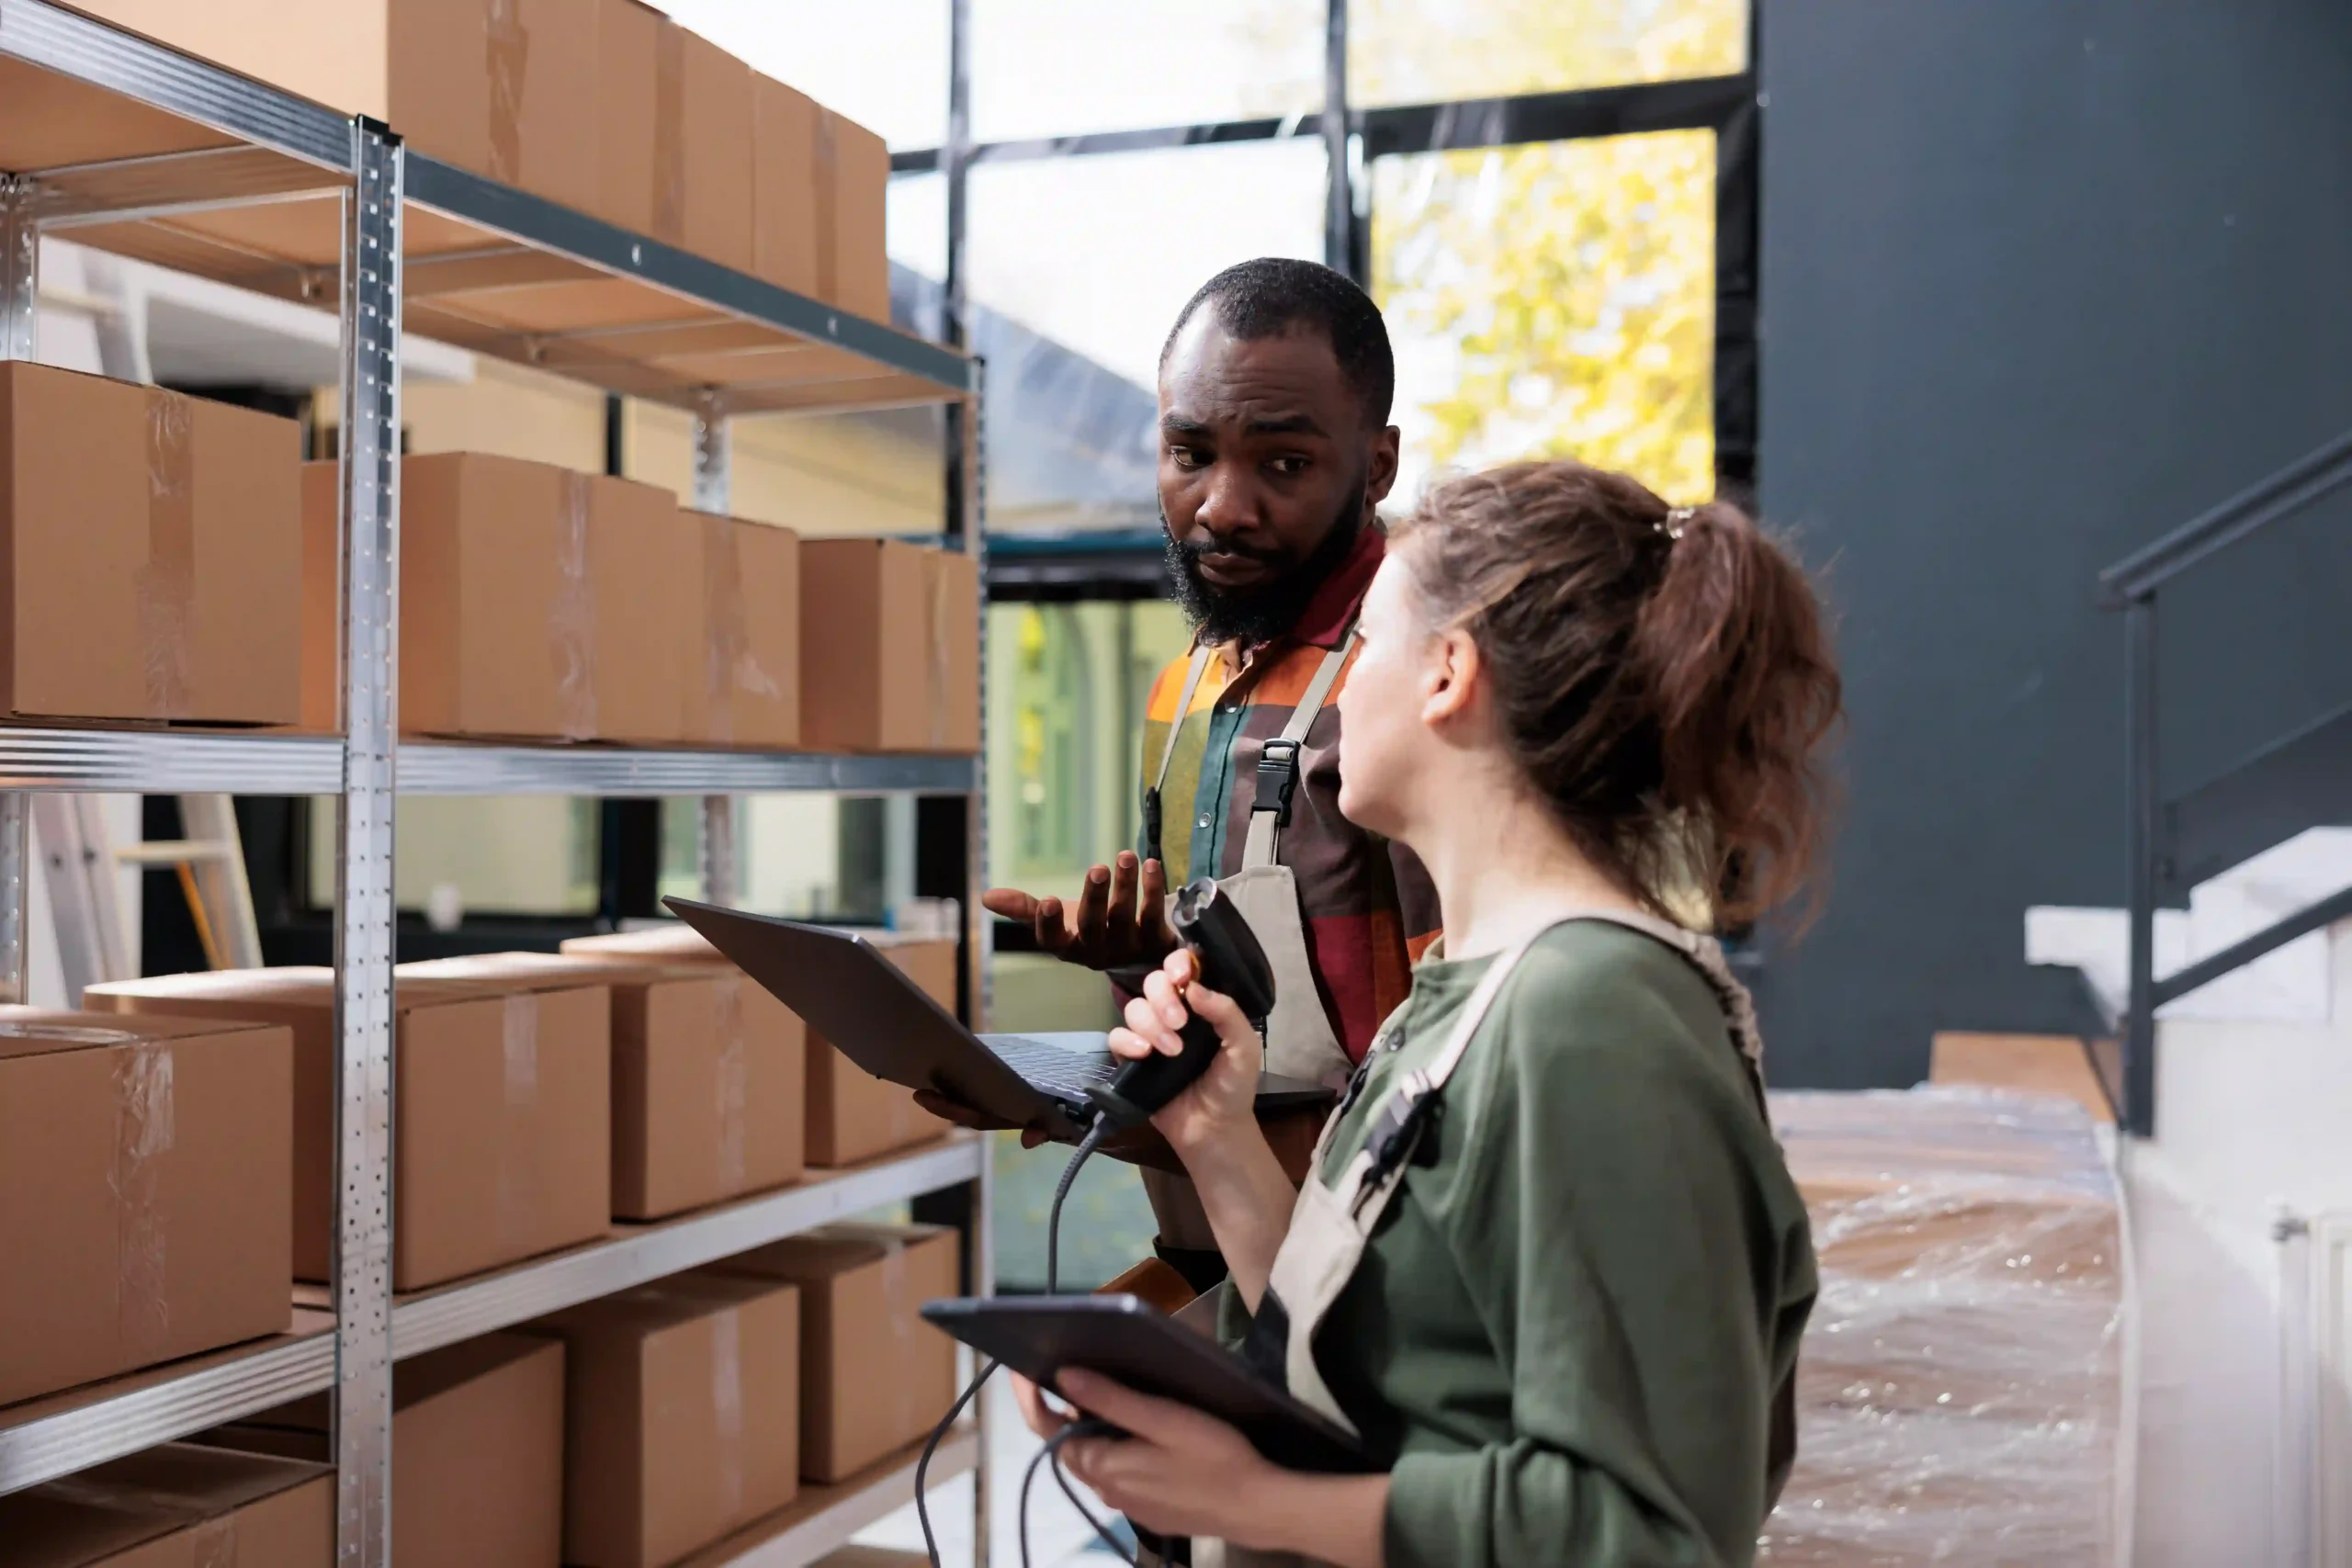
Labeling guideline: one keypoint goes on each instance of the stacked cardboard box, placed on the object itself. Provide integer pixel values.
(604, 105)
(503, 1143)
(144, 1192)
(154, 541)
(680, 1416)
(889, 646)
(540, 604)
(852, 1115)
(180, 1505)
(873, 1376)
(707, 1076)
(477, 1428)
(1960, 1387)
(742, 680)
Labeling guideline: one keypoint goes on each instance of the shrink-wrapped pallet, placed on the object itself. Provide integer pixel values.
(1962, 1385)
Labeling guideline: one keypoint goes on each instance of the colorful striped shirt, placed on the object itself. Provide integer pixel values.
(1366, 903)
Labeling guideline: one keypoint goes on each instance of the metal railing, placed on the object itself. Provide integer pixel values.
(2268, 797)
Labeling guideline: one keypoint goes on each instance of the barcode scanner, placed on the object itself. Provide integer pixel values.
(1227, 958)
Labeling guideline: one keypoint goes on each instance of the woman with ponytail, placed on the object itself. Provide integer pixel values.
(1548, 1265)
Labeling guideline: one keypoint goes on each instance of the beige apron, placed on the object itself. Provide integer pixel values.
(1332, 1225)
(1299, 1039)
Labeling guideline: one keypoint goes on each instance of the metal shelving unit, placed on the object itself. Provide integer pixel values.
(151, 154)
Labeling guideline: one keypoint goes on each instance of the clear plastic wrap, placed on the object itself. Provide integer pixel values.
(1961, 1392)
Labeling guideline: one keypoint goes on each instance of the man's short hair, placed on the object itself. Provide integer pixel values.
(1267, 297)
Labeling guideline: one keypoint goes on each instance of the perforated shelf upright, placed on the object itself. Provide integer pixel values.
(136, 150)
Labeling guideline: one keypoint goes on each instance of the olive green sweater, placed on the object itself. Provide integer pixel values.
(1570, 1327)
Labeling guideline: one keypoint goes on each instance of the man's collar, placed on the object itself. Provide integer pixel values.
(1333, 608)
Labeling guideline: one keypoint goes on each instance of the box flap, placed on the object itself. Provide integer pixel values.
(92, 1516)
(39, 1032)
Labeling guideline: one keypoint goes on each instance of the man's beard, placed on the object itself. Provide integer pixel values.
(1255, 616)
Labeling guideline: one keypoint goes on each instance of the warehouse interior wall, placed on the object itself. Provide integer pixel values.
(2042, 280)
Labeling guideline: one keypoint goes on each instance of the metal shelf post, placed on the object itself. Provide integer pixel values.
(19, 326)
(364, 916)
(712, 493)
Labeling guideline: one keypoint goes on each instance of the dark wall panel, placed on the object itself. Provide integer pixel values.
(2042, 280)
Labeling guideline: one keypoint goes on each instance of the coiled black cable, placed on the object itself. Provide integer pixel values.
(1087, 1145)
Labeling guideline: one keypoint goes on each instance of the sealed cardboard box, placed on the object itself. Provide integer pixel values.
(852, 182)
(852, 1115)
(889, 647)
(707, 1077)
(873, 1376)
(152, 546)
(478, 1435)
(535, 602)
(715, 136)
(503, 1143)
(501, 87)
(681, 1403)
(179, 1505)
(144, 1205)
(783, 186)
(641, 82)
(743, 665)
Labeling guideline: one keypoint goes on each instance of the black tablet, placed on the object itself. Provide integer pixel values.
(1150, 1352)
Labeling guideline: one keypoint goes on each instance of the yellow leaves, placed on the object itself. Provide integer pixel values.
(1586, 268)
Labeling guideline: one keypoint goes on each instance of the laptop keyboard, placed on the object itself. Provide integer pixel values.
(1064, 1074)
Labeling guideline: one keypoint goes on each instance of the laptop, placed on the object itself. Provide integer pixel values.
(849, 992)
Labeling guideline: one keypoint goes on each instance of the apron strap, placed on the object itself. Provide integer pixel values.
(1278, 758)
(1151, 806)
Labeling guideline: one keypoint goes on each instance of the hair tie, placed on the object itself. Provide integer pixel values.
(1671, 525)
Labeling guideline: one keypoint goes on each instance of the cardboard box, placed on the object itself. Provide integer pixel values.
(743, 667)
(852, 1115)
(715, 136)
(502, 1143)
(873, 1376)
(478, 1447)
(783, 186)
(152, 549)
(535, 602)
(143, 1203)
(708, 1078)
(641, 169)
(681, 1401)
(503, 87)
(852, 181)
(889, 647)
(179, 1505)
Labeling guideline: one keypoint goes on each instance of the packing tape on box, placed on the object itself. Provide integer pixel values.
(939, 697)
(899, 1307)
(216, 1543)
(829, 153)
(734, 1086)
(142, 1132)
(669, 135)
(166, 584)
(507, 58)
(573, 623)
(518, 1171)
(727, 1405)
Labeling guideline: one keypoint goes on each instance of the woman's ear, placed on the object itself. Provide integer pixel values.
(1450, 677)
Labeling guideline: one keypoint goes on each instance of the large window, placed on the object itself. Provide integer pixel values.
(1061, 67)
(1419, 52)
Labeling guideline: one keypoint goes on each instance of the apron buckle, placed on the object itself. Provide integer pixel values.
(1397, 1135)
(1277, 778)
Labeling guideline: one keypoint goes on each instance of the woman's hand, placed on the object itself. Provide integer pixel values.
(1181, 1473)
(1222, 1100)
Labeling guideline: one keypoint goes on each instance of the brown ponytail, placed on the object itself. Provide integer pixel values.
(1662, 674)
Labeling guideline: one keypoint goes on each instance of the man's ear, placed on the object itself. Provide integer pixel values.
(1380, 476)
